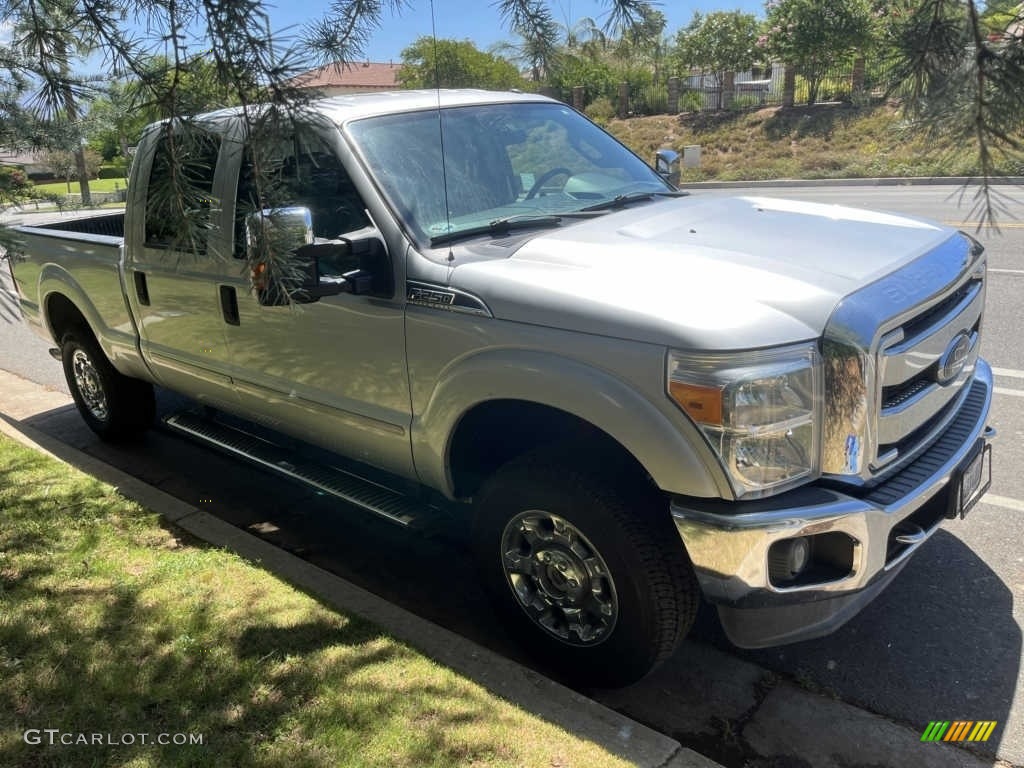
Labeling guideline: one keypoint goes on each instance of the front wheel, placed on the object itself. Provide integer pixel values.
(113, 405)
(590, 576)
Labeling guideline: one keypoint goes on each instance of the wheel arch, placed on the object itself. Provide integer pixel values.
(524, 426)
(61, 315)
(65, 305)
(491, 390)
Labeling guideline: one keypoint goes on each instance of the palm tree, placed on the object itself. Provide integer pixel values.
(50, 36)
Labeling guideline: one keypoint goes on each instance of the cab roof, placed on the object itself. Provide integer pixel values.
(342, 109)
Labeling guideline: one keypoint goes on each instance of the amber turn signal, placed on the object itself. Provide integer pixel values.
(702, 404)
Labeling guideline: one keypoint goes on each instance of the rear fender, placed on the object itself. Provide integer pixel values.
(108, 317)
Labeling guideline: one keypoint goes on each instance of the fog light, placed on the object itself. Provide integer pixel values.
(788, 558)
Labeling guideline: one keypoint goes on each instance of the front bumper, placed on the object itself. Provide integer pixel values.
(730, 550)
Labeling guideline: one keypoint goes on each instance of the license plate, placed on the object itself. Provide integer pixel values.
(971, 482)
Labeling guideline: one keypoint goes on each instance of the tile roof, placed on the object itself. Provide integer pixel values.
(368, 74)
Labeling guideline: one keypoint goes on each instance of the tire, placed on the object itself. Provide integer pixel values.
(114, 406)
(589, 574)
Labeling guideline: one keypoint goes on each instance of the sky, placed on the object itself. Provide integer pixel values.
(479, 21)
(475, 20)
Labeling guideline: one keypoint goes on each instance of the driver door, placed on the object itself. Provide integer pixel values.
(331, 372)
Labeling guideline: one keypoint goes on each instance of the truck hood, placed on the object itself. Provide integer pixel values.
(712, 273)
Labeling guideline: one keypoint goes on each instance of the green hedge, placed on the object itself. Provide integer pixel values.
(112, 172)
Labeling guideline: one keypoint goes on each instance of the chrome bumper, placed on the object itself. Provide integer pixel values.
(729, 550)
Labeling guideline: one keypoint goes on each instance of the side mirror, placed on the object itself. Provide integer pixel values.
(666, 163)
(319, 282)
(276, 231)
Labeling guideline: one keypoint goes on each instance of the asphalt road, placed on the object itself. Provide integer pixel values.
(943, 642)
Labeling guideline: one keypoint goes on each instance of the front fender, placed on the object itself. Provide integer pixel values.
(665, 443)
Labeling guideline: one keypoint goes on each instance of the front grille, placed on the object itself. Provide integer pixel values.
(915, 403)
(899, 356)
(893, 397)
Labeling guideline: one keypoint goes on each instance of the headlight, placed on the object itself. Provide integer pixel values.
(758, 410)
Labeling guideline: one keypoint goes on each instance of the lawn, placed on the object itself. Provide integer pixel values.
(95, 185)
(114, 623)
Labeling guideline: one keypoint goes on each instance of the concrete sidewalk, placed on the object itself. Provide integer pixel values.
(21, 399)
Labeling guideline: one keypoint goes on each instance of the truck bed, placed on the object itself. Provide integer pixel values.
(78, 259)
(108, 225)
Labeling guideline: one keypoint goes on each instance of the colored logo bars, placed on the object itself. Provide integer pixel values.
(958, 730)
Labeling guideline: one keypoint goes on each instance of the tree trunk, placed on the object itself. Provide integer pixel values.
(83, 175)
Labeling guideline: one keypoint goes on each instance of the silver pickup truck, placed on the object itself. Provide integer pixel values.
(633, 398)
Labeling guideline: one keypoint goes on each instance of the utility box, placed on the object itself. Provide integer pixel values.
(691, 156)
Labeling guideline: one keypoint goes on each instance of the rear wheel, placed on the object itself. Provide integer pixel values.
(589, 575)
(114, 406)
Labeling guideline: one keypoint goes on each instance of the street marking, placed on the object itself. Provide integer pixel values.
(1013, 392)
(1012, 373)
(1007, 271)
(1003, 501)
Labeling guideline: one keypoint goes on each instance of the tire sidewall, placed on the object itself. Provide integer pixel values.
(627, 653)
(71, 343)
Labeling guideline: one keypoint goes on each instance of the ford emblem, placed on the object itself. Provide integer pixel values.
(954, 358)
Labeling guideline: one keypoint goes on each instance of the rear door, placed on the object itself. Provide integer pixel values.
(178, 256)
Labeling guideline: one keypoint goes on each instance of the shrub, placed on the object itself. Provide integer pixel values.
(691, 101)
(600, 110)
(112, 172)
(744, 102)
(14, 185)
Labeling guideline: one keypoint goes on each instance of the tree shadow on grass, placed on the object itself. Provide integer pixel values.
(109, 626)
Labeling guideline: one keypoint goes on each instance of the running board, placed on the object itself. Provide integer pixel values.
(331, 480)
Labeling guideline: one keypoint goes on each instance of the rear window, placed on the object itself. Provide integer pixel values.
(179, 193)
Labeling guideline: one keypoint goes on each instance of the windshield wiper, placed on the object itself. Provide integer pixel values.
(622, 200)
(498, 227)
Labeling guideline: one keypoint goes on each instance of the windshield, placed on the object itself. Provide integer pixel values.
(500, 161)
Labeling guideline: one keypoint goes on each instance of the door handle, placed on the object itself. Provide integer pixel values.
(229, 305)
(141, 289)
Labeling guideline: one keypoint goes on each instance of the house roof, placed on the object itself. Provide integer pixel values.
(369, 74)
(11, 156)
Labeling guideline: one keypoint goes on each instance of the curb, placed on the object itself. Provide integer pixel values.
(896, 181)
(525, 688)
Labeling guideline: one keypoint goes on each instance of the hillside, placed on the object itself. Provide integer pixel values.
(823, 141)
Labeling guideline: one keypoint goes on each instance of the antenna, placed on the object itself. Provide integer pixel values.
(440, 129)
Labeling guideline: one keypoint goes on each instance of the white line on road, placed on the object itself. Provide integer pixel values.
(1013, 392)
(1007, 271)
(981, 224)
(1012, 373)
(1003, 501)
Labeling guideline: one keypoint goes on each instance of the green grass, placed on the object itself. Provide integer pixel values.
(95, 185)
(111, 623)
(823, 141)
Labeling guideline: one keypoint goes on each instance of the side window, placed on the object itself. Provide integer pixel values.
(298, 173)
(179, 194)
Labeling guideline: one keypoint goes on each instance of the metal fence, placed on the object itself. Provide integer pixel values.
(702, 91)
